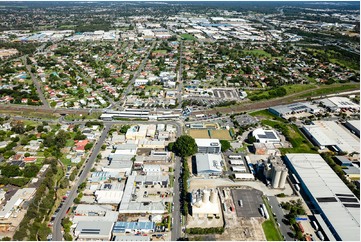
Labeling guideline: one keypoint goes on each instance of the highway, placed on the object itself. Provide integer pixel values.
(57, 234)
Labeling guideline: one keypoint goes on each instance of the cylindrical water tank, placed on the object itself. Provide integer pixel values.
(213, 198)
(276, 175)
(283, 178)
(206, 194)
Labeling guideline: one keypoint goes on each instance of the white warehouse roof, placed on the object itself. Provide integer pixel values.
(328, 192)
(329, 133)
(207, 142)
(266, 136)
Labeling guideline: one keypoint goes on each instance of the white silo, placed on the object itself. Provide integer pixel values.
(276, 175)
(283, 178)
(267, 171)
(206, 195)
(213, 197)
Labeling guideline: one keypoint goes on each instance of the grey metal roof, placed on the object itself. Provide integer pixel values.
(208, 163)
(103, 228)
(329, 191)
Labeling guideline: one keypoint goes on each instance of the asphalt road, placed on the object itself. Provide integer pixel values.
(36, 83)
(136, 74)
(176, 215)
(179, 77)
(285, 229)
(57, 234)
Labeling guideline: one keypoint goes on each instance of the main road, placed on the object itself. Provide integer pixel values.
(57, 234)
(179, 77)
(176, 215)
(136, 74)
(36, 83)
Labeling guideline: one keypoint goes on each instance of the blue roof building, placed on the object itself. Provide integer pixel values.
(133, 227)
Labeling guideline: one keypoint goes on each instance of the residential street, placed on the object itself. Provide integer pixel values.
(57, 231)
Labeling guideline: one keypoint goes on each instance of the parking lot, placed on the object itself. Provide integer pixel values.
(230, 94)
(251, 201)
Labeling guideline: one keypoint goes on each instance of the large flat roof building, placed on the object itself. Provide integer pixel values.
(16, 200)
(294, 108)
(265, 136)
(133, 227)
(208, 164)
(337, 103)
(337, 205)
(91, 230)
(331, 134)
(354, 126)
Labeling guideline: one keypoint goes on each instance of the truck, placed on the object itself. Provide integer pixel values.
(261, 211)
(266, 215)
(320, 235)
(297, 187)
(315, 225)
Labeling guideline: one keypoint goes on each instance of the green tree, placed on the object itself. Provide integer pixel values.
(17, 126)
(124, 129)
(171, 146)
(31, 170)
(185, 146)
(88, 146)
(225, 145)
(10, 171)
(40, 128)
(61, 138)
(79, 136)
(53, 104)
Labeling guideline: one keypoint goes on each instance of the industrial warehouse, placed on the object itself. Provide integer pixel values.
(338, 208)
(332, 135)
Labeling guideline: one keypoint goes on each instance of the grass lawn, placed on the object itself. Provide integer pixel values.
(30, 114)
(298, 88)
(69, 143)
(269, 226)
(270, 231)
(152, 88)
(160, 51)
(71, 117)
(257, 52)
(31, 123)
(67, 26)
(329, 89)
(171, 182)
(188, 37)
(65, 161)
(299, 143)
(266, 114)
